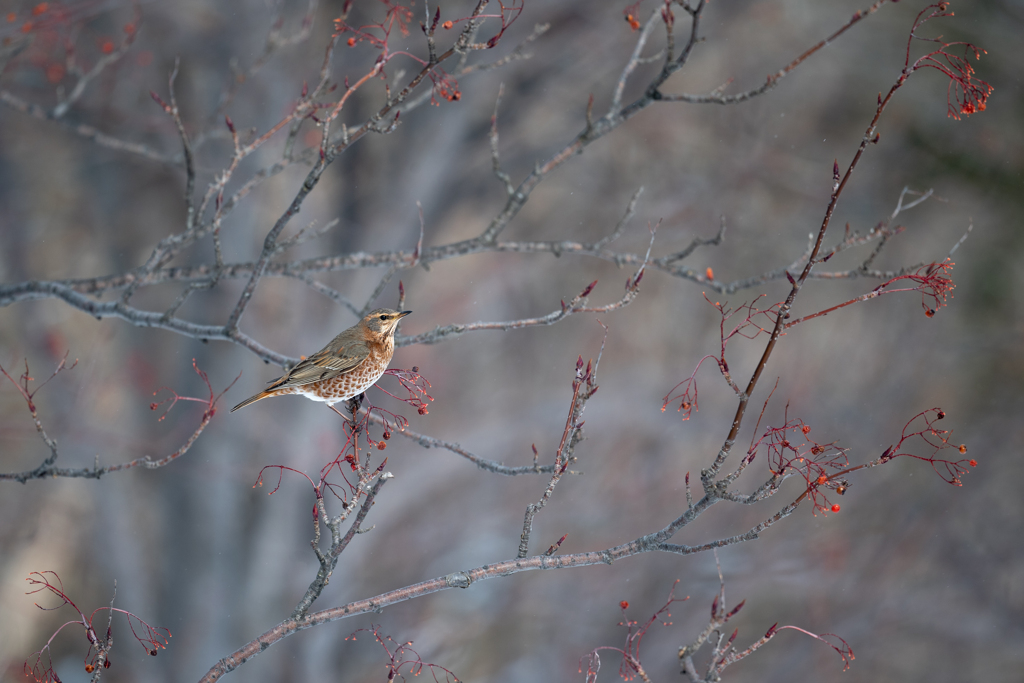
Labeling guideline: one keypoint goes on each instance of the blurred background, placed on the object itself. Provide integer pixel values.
(924, 580)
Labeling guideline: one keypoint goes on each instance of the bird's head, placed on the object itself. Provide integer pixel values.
(382, 321)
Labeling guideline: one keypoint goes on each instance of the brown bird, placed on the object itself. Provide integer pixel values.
(345, 368)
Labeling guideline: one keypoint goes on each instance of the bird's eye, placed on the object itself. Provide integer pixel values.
(383, 317)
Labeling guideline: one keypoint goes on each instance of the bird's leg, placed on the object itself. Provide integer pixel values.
(353, 406)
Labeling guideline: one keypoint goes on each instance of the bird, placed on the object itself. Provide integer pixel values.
(345, 368)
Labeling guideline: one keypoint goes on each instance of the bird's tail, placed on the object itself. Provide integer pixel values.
(252, 399)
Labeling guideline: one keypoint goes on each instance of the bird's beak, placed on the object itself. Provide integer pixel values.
(402, 314)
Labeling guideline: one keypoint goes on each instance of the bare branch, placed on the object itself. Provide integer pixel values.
(86, 131)
(482, 463)
(329, 560)
(717, 97)
(48, 468)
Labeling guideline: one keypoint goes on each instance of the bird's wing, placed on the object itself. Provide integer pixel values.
(324, 364)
